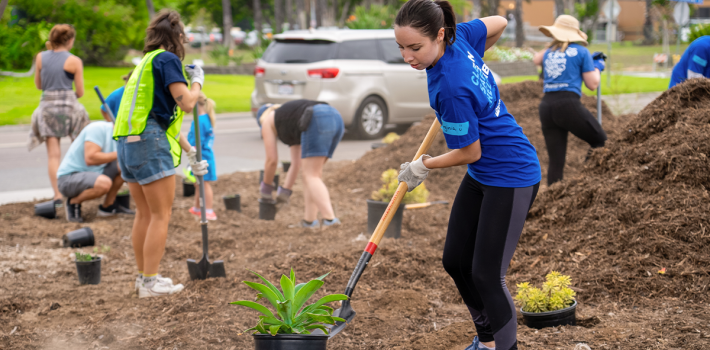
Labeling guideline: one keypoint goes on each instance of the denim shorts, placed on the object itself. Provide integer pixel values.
(148, 159)
(323, 133)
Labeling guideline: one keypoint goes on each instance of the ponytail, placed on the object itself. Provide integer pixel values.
(429, 17)
(557, 45)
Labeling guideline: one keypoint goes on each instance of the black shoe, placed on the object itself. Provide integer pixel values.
(73, 212)
(123, 210)
(107, 211)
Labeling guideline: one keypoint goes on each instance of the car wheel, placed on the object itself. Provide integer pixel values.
(371, 118)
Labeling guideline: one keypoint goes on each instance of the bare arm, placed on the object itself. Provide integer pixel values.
(183, 143)
(467, 155)
(495, 26)
(272, 154)
(294, 168)
(592, 79)
(185, 98)
(38, 75)
(537, 58)
(94, 156)
(78, 76)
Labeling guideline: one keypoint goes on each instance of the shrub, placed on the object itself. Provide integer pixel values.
(84, 257)
(555, 294)
(291, 316)
(697, 31)
(20, 43)
(389, 187)
(376, 17)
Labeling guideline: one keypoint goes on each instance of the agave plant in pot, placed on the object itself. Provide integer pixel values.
(295, 324)
(553, 305)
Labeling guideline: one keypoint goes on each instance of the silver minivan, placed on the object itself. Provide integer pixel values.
(359, 72)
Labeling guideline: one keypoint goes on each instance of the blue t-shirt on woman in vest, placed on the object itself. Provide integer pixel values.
(465, 97)
(563, 70)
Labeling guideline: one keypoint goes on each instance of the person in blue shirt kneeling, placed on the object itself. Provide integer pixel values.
(693, 63)
(113, 100)
(503, 176)
(565, 64)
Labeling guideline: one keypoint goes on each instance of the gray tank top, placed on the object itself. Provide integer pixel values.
(53, 75)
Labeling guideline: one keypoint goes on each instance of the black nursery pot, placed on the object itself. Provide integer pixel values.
(188, 188)
(290, 342)
(124, 200)
(233, 202)
(285, 166)
(375, 210)
(540, 320)
(276, 178)
(46, 209)
(267, 209)
(82, 237)
(89, 272)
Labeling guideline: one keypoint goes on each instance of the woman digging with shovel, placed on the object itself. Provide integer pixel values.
(503, 175)
(150, 144)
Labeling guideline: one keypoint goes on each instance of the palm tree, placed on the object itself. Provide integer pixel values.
(519, 28)
(648, 38)
(257, 21)
(344, 13)
(289, 14)
(493, 7)
(301, 10)
(559, 7)
(151, 8)
(476, 10)
(278, 16)
(227, 24)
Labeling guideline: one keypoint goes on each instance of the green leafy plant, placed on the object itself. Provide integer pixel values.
(85, 257)
(389, 187)
(220, 54)
(697, 31)
(291, 316)
(374, 17)
(103, 250)
(554, 295)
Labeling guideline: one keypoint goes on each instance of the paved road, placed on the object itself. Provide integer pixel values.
(237, 147)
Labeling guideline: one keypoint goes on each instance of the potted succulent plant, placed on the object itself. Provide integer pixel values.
(553, 305)
(88, 268)
(380, 199)
(188, 183)
(292, 325)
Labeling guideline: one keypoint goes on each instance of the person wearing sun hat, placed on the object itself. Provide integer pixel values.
(566, 63)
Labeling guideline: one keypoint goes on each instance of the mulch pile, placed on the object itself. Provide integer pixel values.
(635, 207)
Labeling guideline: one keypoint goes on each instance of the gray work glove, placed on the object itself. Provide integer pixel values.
(198, 168)
(414, 173)
(283, 195)
(266, 190)
(196, 74)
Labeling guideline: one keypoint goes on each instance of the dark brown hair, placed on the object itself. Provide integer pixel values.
(165, 30)
(60, 35)
(428, 17)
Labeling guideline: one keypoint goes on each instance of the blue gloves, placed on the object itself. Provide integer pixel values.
(598, 59)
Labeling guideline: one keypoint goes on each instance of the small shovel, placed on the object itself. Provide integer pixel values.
(103, 102)
(200, 270)
(346, 311)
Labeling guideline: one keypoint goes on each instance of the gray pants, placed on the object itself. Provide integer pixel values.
(73, 184)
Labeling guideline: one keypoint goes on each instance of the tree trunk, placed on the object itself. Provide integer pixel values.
(493, 7)
(320, 9)
(3, 5)
(227, 24)
(289, 14)
(648, 25)
(257, 21)
(151, 8)
(476, 10)
(344, 14)
(301, 10)
(559, 7)
(519, 28)
(278, 16)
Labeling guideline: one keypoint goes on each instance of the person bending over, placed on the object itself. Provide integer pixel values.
(693, 63)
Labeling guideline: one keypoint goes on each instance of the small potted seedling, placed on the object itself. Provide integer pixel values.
(88, 267)
(123, 198)
(553, 305)
(388, 139)
(294, 323)
(380, 199)
(188, 183)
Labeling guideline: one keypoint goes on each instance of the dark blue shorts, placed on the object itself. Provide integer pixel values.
(148, 159)
(323, 133)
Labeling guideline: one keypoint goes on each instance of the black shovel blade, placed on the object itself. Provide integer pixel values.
(346, 312)
(200, 270)
(217, 269)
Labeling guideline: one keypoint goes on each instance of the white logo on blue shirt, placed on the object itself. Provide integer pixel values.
(555, 64)
(571, 51)
(498, 109)
(480, 79)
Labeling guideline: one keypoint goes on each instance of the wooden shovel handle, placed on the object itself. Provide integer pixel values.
(401, 190)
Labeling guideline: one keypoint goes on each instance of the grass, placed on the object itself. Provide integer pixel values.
(21, 97)
(620, 84)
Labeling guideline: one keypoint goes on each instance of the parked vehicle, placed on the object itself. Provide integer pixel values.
(238, 35)
(359, 72)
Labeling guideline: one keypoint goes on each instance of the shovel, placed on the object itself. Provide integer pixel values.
(423, 205)
(103, 102)
(200, 270)
(346, 311)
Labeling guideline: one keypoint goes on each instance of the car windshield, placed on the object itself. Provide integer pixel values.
(299, 51)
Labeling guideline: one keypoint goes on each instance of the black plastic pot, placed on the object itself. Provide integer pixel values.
(188, 188)
(261, 178)
(290, 342)
(285, 166)
(124, 200)
(233, 202)
(540, 320)
(89, 272)
(82, 237)
(376, 145)
(46, 209)
(375, 210)
(267, 209)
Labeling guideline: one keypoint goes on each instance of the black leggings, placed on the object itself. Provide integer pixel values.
(484, 228)
(562, 112)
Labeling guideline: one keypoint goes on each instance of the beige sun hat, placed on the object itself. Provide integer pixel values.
(565, 29)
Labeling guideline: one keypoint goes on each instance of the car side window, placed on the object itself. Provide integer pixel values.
(358, 50)
(390, 51)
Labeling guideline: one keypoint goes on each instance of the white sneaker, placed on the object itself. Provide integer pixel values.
(139, 281)
(160, 288)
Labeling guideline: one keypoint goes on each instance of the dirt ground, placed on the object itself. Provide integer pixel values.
(638, 205)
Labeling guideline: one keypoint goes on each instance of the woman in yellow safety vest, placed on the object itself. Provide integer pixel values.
(150, 144)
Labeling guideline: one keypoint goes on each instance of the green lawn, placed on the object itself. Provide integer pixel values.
(20, 97)
(620, 84)
(626, 54)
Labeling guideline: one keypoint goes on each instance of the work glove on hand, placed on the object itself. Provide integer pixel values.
(598, 58)
(414, 173)
(283, 195)
(198, 168)
(196, 74)
(266, 190)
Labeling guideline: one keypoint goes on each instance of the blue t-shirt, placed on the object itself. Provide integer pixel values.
(206, 143)
(563, 70)
(114, 101)
(167, 69)
(693, 63)
(469, 108)
(99, 133)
